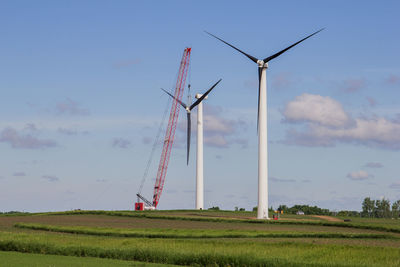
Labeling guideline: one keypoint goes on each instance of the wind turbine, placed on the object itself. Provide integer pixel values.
(188, 112)
(199, 157)
(262, 211)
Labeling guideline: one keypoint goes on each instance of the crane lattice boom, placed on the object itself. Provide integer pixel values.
(170, 133)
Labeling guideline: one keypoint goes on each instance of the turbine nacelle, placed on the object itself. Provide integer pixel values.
(262, 64)
(188, 112)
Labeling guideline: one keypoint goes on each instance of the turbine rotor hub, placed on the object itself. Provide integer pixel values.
(262, 64)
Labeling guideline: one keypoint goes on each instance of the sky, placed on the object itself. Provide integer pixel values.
(81, 102)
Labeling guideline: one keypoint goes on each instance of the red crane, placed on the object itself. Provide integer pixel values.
(169, 135)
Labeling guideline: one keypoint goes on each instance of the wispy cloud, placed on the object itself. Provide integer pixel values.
(121, 143)
(371, 101)
(353, 85)
(70, 131)
(359, 175)
(70, 107)
(279, 180)
(147, 140)
(66, 131)
(28, 141)
(395, 185)
(393, 79)
(374, 165)
(126, 63)
(282, 80)
(19, 174)
(51, 178)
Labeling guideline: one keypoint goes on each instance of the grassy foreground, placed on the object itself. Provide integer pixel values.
(200, 233)
(203, 238)
(40, 260)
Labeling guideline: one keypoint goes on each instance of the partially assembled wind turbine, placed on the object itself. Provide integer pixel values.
(262, 211)
(188, 112)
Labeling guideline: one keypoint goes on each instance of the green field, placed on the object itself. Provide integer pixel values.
(9, 259)
(214, 238)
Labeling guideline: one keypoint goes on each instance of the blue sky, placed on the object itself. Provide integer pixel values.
(81, 102)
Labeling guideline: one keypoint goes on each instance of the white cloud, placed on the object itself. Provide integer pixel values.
(216, 141)
(214, 124)
(326, 123)
(359, 175)
(219, 131)
(317, 109)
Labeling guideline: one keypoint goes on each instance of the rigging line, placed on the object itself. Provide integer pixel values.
(153, 149)
(189, 96)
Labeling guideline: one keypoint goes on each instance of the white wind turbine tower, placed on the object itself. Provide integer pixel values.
(199, 158)
(199, 164)
(262, 211)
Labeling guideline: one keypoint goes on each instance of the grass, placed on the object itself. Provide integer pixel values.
(39, 260)
(202, 252)
(188, 233)
(361, 224)
(218, 238)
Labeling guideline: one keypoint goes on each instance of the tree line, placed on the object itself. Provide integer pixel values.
(380, 208)
(308, 210)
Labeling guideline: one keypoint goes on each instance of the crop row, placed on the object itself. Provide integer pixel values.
(188, 233)
(200, 252)
(153, 215)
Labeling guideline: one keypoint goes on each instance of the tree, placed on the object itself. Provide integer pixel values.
(382, 208)
(368, 207)
(396, 209)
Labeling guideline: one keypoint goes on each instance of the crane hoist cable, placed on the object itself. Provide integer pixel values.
(154, 147)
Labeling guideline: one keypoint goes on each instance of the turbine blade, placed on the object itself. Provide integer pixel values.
(203, 96)
(287, 48)
(259, 87)
(189, 126)
(180, 102)
(247, 55)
